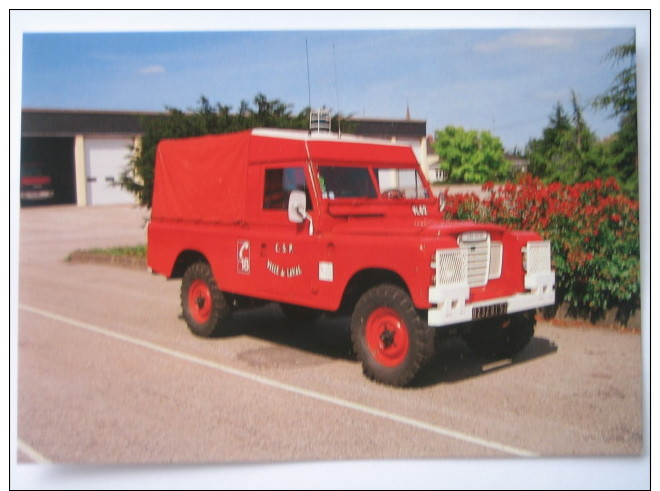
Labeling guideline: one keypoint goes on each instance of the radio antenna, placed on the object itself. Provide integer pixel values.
(334, 56)
(309, 85)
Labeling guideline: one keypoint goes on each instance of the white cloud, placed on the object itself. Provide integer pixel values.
(536, 39)
(151, 70)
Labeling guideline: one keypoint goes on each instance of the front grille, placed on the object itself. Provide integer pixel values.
(478, 253)
(495, 269)
(477, 260)
(484, 257)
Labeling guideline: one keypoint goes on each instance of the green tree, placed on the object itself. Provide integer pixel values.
(138, 176)
(621, 99)
(551, 152)
(568, 151)
(470, 156)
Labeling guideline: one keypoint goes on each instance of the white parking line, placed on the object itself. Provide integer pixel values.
(31, 452)
(286, 387)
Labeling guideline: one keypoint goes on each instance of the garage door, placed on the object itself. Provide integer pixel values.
(55, 156)
(105, 158)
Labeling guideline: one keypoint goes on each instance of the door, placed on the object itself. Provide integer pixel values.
(105, 159)
(286, 256)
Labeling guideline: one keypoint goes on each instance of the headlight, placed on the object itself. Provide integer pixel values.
(536, 257)
(451, 266)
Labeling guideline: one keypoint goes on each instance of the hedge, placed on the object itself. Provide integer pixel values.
(594, 229)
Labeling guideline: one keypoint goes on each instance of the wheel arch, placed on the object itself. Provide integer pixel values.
(184, 260)
(364, 280)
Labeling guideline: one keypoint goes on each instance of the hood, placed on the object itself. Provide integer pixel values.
(411, 226)
(451, 227)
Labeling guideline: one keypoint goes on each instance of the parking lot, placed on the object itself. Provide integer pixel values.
(107, 373)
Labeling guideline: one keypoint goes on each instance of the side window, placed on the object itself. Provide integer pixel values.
(279, 183)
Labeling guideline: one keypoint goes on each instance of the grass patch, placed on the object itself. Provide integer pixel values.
(138, 251)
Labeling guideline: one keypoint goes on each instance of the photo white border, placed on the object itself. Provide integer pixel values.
(559, 473)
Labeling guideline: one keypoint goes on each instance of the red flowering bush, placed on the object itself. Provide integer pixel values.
(594, 229)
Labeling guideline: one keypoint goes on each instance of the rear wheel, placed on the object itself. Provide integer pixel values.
(390, 338)
(501, 337)
(204, 306)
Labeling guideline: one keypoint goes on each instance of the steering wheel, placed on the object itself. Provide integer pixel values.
(393, 194)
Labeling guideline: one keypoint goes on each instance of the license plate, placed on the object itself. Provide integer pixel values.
(487, 311)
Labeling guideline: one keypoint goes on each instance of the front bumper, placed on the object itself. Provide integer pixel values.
(452, 308)
(449, 299)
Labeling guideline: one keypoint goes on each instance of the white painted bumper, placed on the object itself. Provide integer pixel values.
(451, 305)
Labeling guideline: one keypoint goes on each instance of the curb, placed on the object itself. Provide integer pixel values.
(130, 262)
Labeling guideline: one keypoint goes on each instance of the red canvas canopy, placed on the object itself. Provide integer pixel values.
(201, 178)
(204, 178)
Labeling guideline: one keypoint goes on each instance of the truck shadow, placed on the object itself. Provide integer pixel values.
(454, 362)
(329, 339)
(326, 337)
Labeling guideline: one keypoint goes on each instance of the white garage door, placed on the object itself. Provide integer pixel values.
(105, 158)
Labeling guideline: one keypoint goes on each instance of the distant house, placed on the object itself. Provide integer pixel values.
(408, 131)
(436, 173)
(520, 164)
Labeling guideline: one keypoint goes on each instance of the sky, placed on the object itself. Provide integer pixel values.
(482, 76)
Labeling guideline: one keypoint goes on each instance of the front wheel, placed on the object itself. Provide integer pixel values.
(501, 337)
(390, 338)
(203, 304)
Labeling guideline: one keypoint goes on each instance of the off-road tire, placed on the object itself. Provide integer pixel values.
(389, 337)
(501, 337)
(204, 306)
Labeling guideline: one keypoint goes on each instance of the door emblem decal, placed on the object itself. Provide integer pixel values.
(243, 257)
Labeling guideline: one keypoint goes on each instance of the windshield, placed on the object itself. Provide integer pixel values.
(346, 182)
(405, 182)
(364, 182)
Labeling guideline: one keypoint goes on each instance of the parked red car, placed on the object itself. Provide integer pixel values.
(36, 184)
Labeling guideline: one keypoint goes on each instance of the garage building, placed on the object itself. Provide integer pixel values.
(85, 152)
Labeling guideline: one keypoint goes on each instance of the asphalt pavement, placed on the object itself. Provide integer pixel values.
(107, 373)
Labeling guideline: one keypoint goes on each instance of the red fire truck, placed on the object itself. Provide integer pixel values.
(323, 224)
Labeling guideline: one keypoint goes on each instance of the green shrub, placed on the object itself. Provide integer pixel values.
(594, 229)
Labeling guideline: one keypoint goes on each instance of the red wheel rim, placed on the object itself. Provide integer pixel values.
(387, 337)
(200, 302)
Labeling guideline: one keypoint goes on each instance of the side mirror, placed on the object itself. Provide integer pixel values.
(297, 206)
(298, 209)
(442, 201)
